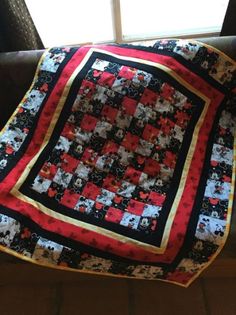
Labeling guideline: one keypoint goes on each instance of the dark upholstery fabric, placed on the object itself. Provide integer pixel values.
(17, 30)
(229, 25)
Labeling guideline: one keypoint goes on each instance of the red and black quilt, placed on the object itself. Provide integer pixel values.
(119, 160)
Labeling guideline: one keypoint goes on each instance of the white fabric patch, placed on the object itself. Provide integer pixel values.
(217, 189)
(47, 251)
(41, 184)
(210, 229)
(222, 154)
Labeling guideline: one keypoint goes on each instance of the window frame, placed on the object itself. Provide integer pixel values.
(118, 34)
(119, 37)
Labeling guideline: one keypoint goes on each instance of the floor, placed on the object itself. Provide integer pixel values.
(118, 297)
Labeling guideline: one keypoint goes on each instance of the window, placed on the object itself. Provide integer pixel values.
(80, 21)
(72, 21)
(154, 18)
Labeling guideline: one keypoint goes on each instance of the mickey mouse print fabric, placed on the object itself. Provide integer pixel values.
(120, 160)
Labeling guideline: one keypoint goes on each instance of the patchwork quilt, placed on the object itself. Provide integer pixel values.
(120, 160)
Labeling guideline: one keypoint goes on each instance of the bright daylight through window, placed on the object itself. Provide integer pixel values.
(80, 21)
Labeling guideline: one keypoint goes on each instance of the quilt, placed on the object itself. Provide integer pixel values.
(120, 160)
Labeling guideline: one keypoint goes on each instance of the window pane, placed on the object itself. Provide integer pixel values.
(171, 17)
(72, 21)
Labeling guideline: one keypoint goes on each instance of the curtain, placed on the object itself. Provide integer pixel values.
(229, 24)
(17, 30)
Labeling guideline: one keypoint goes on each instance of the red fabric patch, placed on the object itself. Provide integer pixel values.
(110, 148)
(87, 88)
(136, 207)
(69, 131)
(107, 79)
(48, 170)
(111, 183)
(130, 141)
(114, 215)
(167, 91)
(170, 159)
(149, 97)
(69, 199)
(182, 118)
(89, 157)
(156, 199)
(109, 113)
(150, 133)
(69, 163)
(166, 125)
(127, 72)
(88, 123)
(132, 175)
(91, 191)
(129, 105)
(151, 167)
